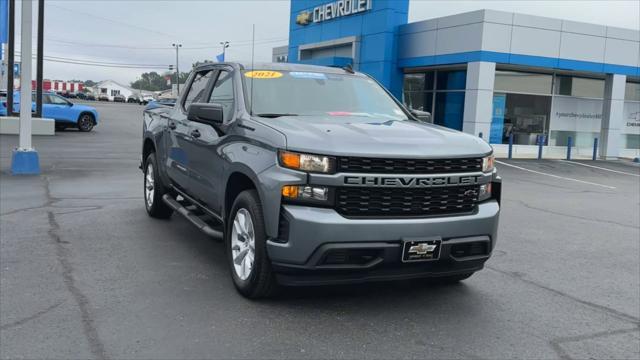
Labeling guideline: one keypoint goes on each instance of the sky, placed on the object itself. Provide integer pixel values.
(143, 31)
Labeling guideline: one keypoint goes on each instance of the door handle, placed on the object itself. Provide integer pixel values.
(172, 125)
(195, 133)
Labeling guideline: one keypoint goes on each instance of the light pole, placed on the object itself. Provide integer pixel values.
(177, 46)
(225, 45)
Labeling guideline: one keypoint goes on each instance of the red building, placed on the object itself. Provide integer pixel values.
(59, 85)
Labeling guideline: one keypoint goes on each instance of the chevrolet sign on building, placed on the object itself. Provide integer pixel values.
(333, 10)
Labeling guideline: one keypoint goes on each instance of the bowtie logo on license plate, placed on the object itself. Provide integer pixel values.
(421, 250)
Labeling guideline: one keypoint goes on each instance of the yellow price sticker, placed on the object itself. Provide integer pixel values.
(263, 74)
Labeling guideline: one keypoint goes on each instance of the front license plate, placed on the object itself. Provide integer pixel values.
(421, 250)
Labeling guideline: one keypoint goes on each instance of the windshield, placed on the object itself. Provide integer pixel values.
(281, 93)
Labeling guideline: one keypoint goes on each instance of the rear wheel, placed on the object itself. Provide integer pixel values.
(246, 243)
(86, 122)
(154, 190)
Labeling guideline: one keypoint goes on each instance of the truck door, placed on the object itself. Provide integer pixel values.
(207, 165)
(179, 156)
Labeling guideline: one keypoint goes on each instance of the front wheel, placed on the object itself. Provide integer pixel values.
(246, 244)
(86, 123)
(154, 190)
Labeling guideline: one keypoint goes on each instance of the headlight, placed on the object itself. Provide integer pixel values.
(307, 194)
(488, 163)
(307, 162)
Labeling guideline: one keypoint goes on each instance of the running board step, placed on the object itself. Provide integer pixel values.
(194, 219)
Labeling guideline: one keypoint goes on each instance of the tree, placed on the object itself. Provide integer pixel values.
(152, 81)
(90, 83)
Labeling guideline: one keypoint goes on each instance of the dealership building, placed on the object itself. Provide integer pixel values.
(494, 74)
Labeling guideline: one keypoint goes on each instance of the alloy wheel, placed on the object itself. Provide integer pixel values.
(149, 190)
(243, 248)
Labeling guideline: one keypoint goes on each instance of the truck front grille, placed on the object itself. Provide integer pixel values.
(408, 166)
(403, 202)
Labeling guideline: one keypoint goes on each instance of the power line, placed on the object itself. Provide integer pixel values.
(66, 60)
(133, 47)
(110, 20)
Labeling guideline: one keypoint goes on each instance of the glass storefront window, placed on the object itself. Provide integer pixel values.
(418, 81)
(632, 91)
(631, 125)
(413, 82)
(448, 96)
(451, 80)
(525, 116)
(579, 87)
(449, 109)
(419, 100)
(577, 117)
(523, 82)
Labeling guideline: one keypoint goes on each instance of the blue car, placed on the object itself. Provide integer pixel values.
(65, 113)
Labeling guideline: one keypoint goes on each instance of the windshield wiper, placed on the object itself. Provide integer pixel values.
(274, 115)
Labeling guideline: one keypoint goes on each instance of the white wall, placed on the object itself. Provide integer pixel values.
(512, 33)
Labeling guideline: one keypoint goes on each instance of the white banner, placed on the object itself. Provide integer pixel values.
(575, 114)
(631, 118)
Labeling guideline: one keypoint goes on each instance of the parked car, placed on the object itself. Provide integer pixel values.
(103, 97)
(65, 113)
(71, 95)
(91, 97)
(81, 96)
(166, 102)
(323, 178)
(146, 99)
(119, 98)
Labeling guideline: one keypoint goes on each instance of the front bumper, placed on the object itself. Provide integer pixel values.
(313, 233)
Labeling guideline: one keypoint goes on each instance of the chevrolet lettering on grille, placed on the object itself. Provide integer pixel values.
(412, 182)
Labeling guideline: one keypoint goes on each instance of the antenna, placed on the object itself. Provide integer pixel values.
(253, 46)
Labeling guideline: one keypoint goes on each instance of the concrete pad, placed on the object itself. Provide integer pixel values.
(10, 125)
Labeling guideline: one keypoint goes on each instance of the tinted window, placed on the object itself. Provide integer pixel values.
(414, 82)
(580, 87)
(514, 81)
(198, 87)
(223, 94)
(632, 91)
(451, 80)
(57, 100)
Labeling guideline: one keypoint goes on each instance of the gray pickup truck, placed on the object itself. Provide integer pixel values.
(316, 175)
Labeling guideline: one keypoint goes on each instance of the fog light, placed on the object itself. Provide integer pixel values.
(485, 192)
(305, 193)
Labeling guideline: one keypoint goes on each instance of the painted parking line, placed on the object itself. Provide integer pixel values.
(601, 168)
(555, 176)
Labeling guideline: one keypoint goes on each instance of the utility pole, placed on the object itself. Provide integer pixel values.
(225, 45)
(177, 46)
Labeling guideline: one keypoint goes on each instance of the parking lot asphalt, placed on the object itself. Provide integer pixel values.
(85, 273)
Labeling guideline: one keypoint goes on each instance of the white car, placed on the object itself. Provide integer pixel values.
(146, 99)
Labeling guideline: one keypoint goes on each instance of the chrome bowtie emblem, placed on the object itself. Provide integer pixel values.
(422, 249)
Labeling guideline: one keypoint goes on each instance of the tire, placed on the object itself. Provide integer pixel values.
(251, 273)
(86, 122)
(154, 190)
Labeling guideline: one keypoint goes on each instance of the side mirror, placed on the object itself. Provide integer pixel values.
(205, 113)
(424, 116)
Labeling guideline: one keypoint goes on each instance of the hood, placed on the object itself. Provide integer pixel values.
(363, 136)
